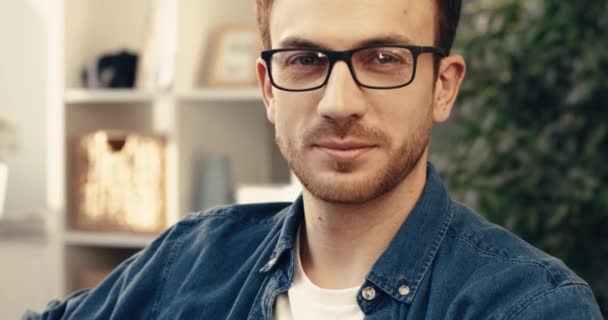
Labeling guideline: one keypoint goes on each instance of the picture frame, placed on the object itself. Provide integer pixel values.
(235, 49)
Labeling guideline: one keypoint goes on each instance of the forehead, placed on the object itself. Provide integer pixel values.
(342, 24)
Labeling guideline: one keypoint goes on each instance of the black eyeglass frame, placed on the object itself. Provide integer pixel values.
(346, 56)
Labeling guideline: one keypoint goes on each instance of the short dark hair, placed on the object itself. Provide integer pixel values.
(447, 22)
(448, 16)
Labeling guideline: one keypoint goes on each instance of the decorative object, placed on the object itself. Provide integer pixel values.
(216, 184)
(233, 58)
(111, 70)
(267, 193)
(270, 192)
(157, 66)
(120, 182)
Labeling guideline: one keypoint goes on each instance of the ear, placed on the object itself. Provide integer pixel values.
(451, 73)
(266, 89)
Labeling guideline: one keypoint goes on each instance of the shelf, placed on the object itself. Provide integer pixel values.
(88, 96)
(192, 115)
(29, 226)
(107, 239)
(220, 95)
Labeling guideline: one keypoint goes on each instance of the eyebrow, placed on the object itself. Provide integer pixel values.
(298, 42)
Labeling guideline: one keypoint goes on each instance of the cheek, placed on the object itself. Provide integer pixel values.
(293, 111)
(404, 117)
(400, 109)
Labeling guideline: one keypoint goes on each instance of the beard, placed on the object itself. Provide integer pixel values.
(356, 189)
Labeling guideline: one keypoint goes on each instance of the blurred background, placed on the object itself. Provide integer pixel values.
(118, 118)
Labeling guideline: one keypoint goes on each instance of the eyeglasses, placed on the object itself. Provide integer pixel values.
(374, 67)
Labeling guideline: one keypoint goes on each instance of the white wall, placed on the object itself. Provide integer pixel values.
(23, 99)
(30, 92)
(26, 277)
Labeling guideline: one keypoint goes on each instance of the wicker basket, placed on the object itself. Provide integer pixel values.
(120, 182)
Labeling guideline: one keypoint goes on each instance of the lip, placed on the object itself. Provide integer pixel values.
(344, 150)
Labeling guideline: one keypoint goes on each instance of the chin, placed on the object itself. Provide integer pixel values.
(348, 187)
(358, 181)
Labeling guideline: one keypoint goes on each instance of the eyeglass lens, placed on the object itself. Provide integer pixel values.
(374, 67)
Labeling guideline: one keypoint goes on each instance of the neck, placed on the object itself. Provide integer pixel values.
(338, 235)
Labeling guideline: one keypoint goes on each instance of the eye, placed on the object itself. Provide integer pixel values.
(306, 59)
(384, 58)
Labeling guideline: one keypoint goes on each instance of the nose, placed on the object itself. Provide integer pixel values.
(342, 99)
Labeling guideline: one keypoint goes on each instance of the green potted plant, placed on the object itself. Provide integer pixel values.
(533, 135)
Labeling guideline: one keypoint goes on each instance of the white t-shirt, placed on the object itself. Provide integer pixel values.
(305, 301)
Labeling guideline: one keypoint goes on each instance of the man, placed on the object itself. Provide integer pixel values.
(353, 88)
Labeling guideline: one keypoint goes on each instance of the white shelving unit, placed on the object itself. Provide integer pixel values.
(128, 96)
(107, 239)
(84, 96)
(194, 118)
(219, 95)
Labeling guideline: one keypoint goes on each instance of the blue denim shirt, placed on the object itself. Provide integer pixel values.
(445, 262)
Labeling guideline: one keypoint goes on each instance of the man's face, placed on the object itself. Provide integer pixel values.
(349, 144)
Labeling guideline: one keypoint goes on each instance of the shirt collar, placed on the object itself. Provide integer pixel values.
(292, 217)
(410, 253)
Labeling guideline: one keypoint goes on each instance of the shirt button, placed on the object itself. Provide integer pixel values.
(404, 290)
(368, 293)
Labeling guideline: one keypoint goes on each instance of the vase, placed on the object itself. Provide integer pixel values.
(216, 185)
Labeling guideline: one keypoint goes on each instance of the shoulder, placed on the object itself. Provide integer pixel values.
(214, 235)
(258, 213)
(231, 221)
(492, 243)
(506, 274)
(198, 249)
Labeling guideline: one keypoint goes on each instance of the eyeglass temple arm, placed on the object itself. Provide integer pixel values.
(440, 51)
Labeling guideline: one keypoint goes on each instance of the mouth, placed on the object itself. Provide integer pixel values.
(344, 151)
